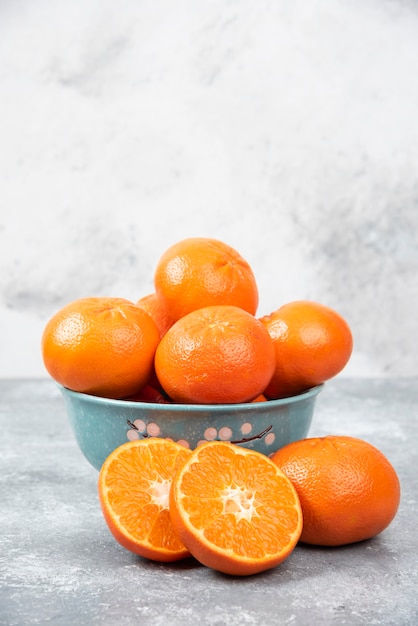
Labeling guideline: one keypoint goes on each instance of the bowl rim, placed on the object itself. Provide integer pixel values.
(176, 407)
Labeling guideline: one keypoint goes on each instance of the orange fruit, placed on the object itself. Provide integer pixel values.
(101, 346)
(348, 489)
(217, 354)
(260, 398)
(134, 484)
(157, 310)
(199, 272)
(312, 344)
(148, 394)
(234, 509)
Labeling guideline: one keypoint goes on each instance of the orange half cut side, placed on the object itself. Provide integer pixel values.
(134, 485)
(233, 510)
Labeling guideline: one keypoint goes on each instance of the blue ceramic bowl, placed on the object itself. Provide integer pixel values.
(100, 425)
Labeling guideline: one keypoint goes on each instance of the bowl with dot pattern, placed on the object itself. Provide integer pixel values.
(100, 425)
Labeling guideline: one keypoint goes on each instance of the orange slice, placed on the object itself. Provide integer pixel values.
(233, 510)
(134, 485)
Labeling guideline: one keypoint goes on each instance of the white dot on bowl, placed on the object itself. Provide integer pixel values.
(140, 425)
(201, 441)
(225, 433)
(132, 435)
(246, 428)
(270, 438)
(210, 433)
(183, 443)
(153, 429)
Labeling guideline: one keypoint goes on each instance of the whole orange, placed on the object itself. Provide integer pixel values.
(216, 354)
(199, 272)
(157, 310)
(101, 346)
(312, 344)
(348, 489)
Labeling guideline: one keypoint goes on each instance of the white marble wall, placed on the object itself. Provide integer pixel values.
(287, 128)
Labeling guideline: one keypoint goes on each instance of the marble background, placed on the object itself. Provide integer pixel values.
(287, 128)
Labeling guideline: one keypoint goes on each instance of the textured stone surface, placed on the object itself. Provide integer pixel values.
(287, 129)
(59, 564)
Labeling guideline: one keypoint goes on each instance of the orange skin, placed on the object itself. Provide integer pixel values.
(133, 487)
(260, 398)
(218, 354)
(234, 509)
(199, 272)
(157, 310)
(148, 394)
(100, 346)
(348, 489)
(312, 343)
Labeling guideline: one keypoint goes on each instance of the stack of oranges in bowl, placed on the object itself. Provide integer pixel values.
(192, 361)
(196, 339)
(195, 412)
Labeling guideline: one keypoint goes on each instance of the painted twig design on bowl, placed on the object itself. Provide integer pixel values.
(259, 436)
(139, 428)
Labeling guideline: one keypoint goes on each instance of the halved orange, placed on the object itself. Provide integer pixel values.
(233, 510)
(134, 484)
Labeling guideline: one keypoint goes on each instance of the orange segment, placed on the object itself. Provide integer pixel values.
(233, 510)
(134, 485)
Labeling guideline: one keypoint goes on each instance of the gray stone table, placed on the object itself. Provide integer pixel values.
(60, 565)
